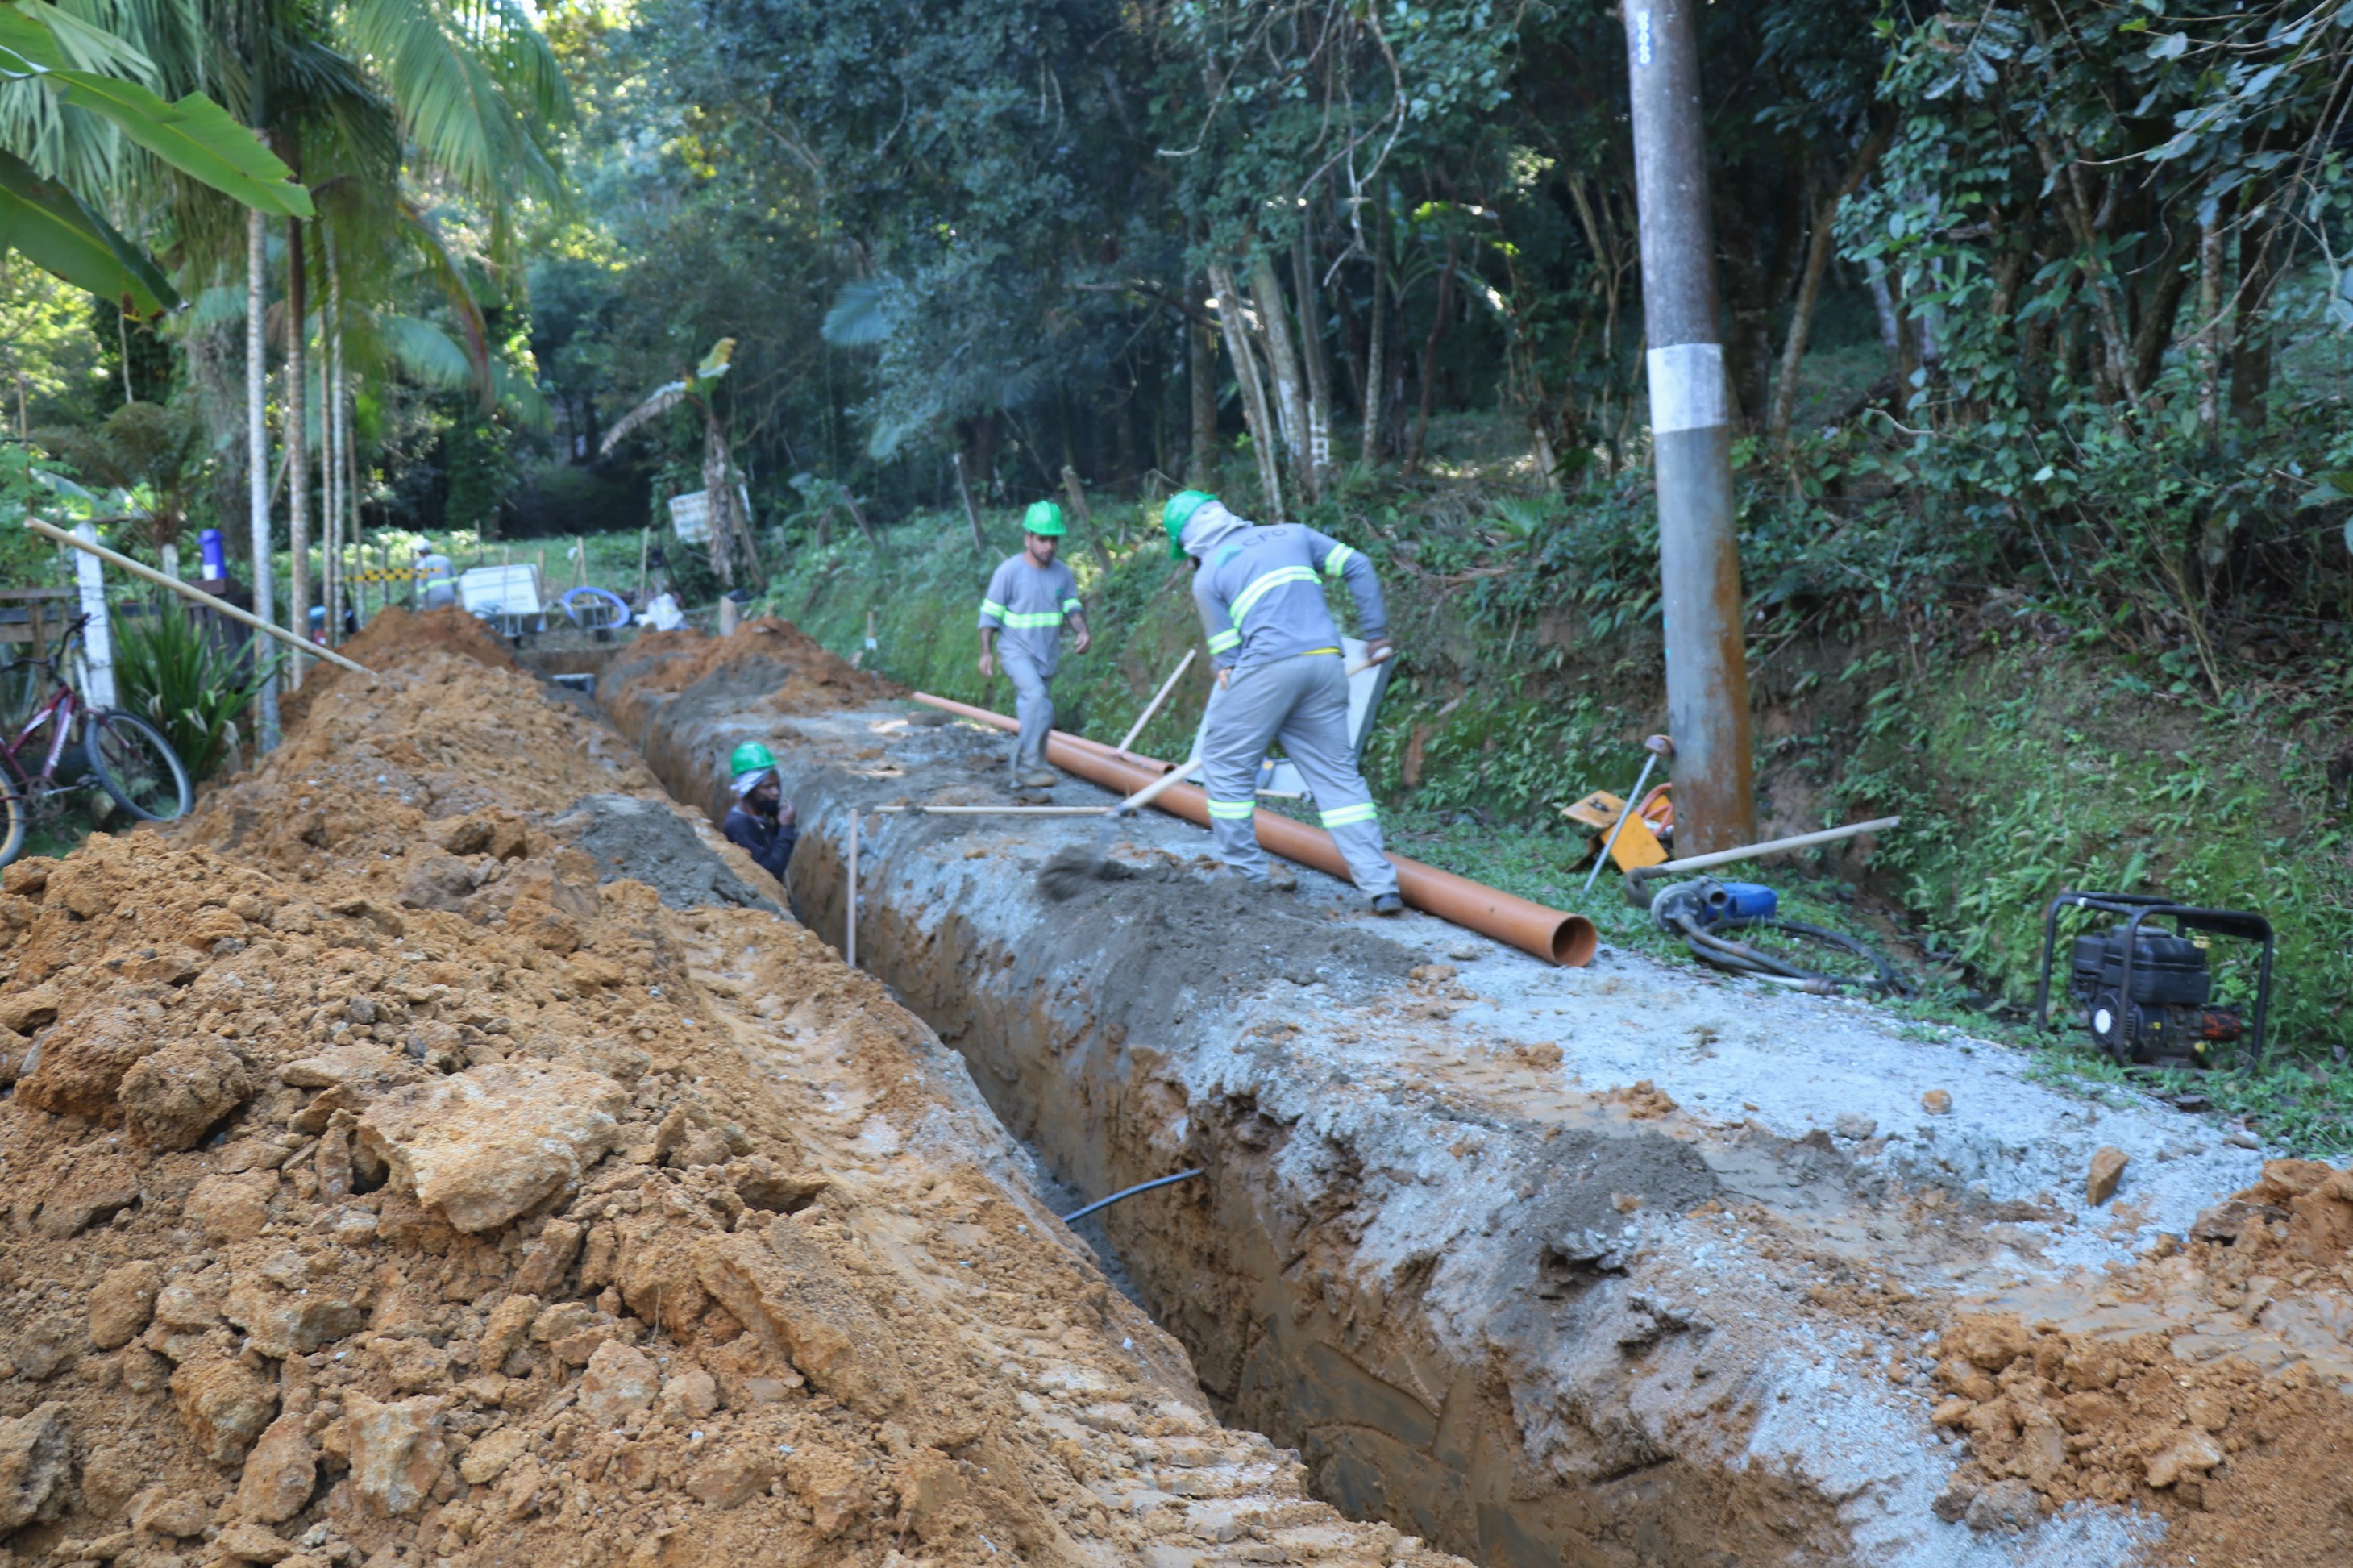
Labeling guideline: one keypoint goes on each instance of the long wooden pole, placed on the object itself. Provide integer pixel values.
(1771, 846)
(189, 591)
(1158, 697)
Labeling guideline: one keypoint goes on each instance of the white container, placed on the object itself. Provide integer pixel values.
(508, 593)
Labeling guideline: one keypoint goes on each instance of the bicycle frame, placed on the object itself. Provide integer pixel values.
(64, 706)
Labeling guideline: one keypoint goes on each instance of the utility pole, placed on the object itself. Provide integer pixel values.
(1699, 552)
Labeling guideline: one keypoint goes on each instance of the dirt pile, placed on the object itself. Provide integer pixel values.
(808, 678)
(394, 634)
(2216, 1395)
(391, 1179)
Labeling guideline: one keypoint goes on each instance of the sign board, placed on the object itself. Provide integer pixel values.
(690, 515)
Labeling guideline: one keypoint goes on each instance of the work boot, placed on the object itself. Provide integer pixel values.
(1038, 778)
(1389, 904)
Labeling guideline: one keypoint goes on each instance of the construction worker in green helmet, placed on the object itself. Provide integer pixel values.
(762, 821)
(1029, 597)
(1281, 677)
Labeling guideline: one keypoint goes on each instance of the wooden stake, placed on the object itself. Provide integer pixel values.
(580, 543)
(849, 926)
(644, 554)
(979, 544)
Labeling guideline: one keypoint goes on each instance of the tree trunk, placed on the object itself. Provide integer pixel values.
(338, 439)
(964, 494)
(1376, 369)
(1438, 316)
(1883, 302)
(1319, 367)
(2209, 336)
(2117, 366)
(256, 458)
(1810, 285)
(2251, 339)
(297, 441)
(1290, 382)
(719, 493)
(1264, 442)
(1201, 378)
(1077, 492)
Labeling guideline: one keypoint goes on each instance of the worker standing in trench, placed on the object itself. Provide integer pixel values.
(1281, 677)
(1029, 597)
(762, 822)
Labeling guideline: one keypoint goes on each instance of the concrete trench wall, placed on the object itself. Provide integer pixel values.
(1456, 1307)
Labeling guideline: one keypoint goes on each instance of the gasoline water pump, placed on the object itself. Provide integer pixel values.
(1714, 918)
(2144, 987)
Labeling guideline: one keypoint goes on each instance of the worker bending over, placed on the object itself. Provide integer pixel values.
(762, 821)
(1028, 599)
(1280, 677)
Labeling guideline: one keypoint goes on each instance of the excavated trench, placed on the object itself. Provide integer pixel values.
(1530, 1320)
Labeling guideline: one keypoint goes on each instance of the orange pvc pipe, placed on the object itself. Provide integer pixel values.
(1551, 935)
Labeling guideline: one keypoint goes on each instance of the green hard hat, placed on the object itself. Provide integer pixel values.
(1044, 519)
(1181, 505)
(750, 757)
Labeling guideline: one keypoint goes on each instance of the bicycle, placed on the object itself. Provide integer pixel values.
(127, 757)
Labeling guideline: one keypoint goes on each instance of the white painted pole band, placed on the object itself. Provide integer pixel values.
(1686, 388)
(98, 637)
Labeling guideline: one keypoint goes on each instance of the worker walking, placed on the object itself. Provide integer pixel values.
(1029, 598)
(1280, 678)
(761, 821)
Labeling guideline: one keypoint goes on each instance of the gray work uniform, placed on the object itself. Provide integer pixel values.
(1260, 593)
(1025, 607)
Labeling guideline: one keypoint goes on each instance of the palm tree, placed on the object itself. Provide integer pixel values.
(729, 526)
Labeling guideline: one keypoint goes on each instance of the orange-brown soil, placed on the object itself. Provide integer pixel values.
(2227, 1414)
(390, 1181)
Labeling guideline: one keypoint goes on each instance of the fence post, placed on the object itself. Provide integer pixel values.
(98, 637)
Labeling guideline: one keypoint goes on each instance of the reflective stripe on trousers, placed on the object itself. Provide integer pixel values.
(1033, 705)
(1301, 702)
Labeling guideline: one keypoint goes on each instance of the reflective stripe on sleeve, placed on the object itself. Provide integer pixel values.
(1347, 816)
(989, 607)
(1234, 810)
(1268, 584)
(1225, 642)
(1337, 561)
(1071, 607)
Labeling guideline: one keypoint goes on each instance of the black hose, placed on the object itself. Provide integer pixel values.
(1709, 947)
(1128, 1192)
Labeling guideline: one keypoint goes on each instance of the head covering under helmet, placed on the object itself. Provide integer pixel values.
(1181, 505)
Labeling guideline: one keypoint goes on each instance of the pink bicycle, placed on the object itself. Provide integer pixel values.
(126, 755)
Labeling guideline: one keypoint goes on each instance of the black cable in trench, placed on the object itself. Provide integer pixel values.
(1128, 1192)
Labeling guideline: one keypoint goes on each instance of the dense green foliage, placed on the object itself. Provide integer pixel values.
(169, 670)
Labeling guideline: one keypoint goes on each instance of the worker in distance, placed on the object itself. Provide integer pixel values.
(436, 585)
(1281, 678)
(1029, 598)
(762, 822)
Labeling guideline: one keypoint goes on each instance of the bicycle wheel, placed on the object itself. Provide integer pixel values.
(133, 763)
(16, 815)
